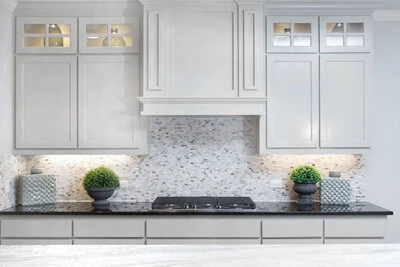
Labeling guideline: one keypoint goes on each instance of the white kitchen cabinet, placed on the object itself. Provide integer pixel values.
(108, 105)
(109, 228)
(251, 62)
(46, 102)
(344, 95)
(109, 35)
(203, 228)
(354, 241)
(36, 242)
(46, 35)
(355, 228)
(292, 241)
(293, 101)
(284, 228)
(292, 34)
(189, 241)
(36, 228)
(109, 241)
(345, 34)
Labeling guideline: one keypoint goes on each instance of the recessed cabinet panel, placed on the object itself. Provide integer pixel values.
(109, 35)
(46, 35)
(292, 34)
(292, 109)
(46, 102)
(108, 105)
(204, 53)
(345, 86)
(345, 34)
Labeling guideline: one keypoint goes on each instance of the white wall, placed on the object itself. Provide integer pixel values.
(383, 164)
(6, 81)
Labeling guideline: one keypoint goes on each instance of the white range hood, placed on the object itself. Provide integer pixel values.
(202, 106)
(203, 58)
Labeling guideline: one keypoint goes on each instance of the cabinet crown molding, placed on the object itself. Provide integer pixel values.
(9, 5)
(386, 15)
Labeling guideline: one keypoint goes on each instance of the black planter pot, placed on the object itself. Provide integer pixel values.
(100, 195)
(305, 191)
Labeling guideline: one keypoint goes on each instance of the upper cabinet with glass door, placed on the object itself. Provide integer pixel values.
(286, 34)
(109, 35)
(345, 34)
(46, 35)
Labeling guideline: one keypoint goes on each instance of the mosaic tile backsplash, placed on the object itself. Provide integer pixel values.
(198, 156)
(10, 167)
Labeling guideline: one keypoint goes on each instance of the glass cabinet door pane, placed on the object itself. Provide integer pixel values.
(355, 40)
(34, 42)
(302, 28)
(355, 27)
(281, 41)
(334, 41)
(59, 29)
(118, 41)
(97, 28)
(282, 28)
(302, 41)
(35, 28)
(121, 29)
(60, 42)
(335, 27)
(97, 41)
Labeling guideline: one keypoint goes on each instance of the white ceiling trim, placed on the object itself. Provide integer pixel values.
(387, 15)
(9, 4)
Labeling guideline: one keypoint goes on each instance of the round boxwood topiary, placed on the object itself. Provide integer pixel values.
(305, 174)
(101, 177)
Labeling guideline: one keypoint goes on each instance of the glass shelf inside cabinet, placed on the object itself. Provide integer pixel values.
(47, 35)
(99, 35)
(292, 34)
(341, 34)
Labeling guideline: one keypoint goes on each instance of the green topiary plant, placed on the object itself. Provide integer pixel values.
(101, 177)
(305, 174)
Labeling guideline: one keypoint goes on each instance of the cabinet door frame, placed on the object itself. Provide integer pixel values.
(272, 142)
(134, 21)
(313, 20)
(21, 21)
(324, 102)
(368, 32)
(20, 143)
(139, 124)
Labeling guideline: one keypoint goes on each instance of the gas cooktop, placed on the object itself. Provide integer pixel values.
(203, 203)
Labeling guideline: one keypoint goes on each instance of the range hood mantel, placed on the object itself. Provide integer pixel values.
(202, 106)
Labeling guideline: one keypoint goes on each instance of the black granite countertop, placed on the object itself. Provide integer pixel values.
(144, 208)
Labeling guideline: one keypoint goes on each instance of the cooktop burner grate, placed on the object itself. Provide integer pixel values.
(203, 203)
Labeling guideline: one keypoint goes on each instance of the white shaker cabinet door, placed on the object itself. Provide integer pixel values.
(46, 102)
(108, 105)
(345, 86)
(292, 109)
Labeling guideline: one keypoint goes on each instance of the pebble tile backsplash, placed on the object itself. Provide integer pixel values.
(192, 156)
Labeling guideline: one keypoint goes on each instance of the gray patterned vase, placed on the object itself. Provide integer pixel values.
(305, 191)
(36, 189)
(100, 195)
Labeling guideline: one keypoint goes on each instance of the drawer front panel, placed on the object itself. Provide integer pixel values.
(109, 241)
(360, 227)
(186, 228)
(36, 228)
(108, 228)
(355, 241)
(277, 241)
(292, 228)
(188, 241)
(36, 242)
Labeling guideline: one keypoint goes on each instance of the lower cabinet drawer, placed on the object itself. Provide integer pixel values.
(354, 241)
(109, 241)
(203, 228)
(353, 228)
(41, 228)
(277, 241)
(292, 228)
(203, 241)
(108, 227)
(36, 242)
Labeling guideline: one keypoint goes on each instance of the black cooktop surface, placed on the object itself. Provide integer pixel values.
(203, 203)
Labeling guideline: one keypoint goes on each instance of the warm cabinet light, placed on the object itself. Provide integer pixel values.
(115, 41)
